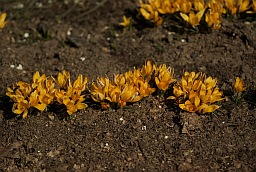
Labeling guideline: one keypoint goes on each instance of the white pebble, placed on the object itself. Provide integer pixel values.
(19, 6)
(183, 40)
(19, 67)
(12, 66)
(39, 4)
(68, 32)
(82, 58)
(26, 35)
(89, 36)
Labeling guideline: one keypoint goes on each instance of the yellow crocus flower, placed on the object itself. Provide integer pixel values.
(126, 21)
(192, 18)
(2, 20)
(239, 85)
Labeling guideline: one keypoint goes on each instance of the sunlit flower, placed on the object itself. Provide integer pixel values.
(149, 12)
(80, 83)
(164, 77)
(243, 5)
(100, 89)
(144, 88)
(123, 90)
(21, 108)
(213, 19)
(196, 93)
(199, 5)
(126, 21)
(183, 6)
(71, 98)
(166, 7)
(239, 85)
(192, 18)
(74, 102)
(37, 79)
(2, 20)
(63, 79)
(129, 94)
(20, 94)
(231, 6)
(147, 70)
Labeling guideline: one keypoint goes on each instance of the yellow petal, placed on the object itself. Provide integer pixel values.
(185, 17)
(145, 14)
(40, 107)
(66, 100)
(200, 14)
(81, 106)
(182, 106)
(197, 101)
(171, 97)
(18, 111)
(210, 108)
(2, 20)
(25, 114)
(36, 76)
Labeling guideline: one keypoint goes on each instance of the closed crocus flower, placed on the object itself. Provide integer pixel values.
(239, 85)
(2, 20)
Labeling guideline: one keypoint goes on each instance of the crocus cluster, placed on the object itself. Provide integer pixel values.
(38, 94)
(70, 93)
(192, 11)
(197, 93)
(42, 92)
(131, 86)
(194, 93)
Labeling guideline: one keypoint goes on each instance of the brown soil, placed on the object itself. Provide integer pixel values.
(146, 136)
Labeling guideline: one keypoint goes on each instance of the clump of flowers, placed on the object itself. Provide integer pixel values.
(2, 20)
(237, 6)
(70, 93)
(129, 87)
(20, 94)
(197, 93)
(42, 92)
(39, 94)
(193, 11)
(149, 11)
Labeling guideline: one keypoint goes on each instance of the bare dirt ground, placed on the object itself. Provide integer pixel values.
(145, 136)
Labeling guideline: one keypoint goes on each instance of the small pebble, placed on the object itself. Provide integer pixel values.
(68, 32)
(19, 67)
(26, 35)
